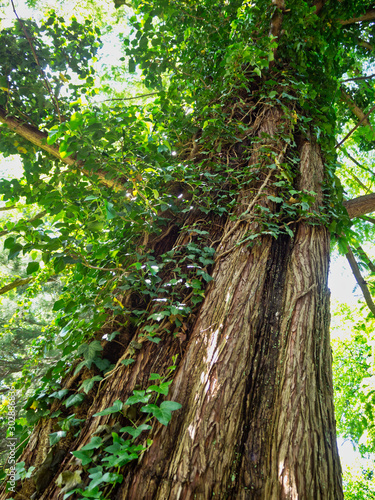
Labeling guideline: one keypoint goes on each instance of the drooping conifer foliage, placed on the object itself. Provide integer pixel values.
(192, 227)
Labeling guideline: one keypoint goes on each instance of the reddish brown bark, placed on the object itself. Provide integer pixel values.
(255, 376)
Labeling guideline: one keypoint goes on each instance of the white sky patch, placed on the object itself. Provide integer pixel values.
(24, 12)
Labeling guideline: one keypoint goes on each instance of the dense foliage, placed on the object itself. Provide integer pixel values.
(110, 172)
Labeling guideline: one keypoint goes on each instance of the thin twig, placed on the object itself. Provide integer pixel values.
(357, 162)
(130, 98)
(366, 77)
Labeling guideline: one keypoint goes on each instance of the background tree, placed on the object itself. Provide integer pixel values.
(196, 232)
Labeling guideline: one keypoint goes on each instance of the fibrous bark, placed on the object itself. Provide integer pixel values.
(255, 376)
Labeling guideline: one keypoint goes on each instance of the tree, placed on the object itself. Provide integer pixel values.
(196, 233)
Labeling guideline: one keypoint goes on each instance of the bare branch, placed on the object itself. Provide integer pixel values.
(357, 163)
(3, 209)
(130, 98)
(360, 183)
(361, 282)
(360, 206)
(355, 128)
(368, 16)
(366, 77)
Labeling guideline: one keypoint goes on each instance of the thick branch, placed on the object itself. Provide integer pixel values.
(368, 16)
(366, 45)
(361, 282)
(356, 110)
(15, 284)
(39, 139)
(360, 206)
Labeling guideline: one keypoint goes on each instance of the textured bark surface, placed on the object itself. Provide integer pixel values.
(255, 374)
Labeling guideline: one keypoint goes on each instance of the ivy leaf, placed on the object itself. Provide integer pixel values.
(94, 444)
(74, 400)
(55, 437)
(135, 432)
(89, 350)
(88, 384)
(115, 408)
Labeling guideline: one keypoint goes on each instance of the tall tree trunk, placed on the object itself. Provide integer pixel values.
(257, 418)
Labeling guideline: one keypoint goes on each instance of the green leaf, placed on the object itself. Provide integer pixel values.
(161, 414)
(32, 267)
(139, 397)
(74, 400)
(94, 444)
(55, 437)
(84, 456)
(88, 384)
(89, 351)
(170, 405)
(16, 249)
(115, 408)
(135, 432)
(127, 362)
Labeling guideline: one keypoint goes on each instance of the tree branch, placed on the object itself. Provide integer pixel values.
(366, 45)
(361, 282)
(367, 77)
(15, 284)
(368, 16)
(356, 110)
(360, 206)
(357, 163)
(39, 139)
(355, 128)
(367, 219)
(366, 259)
(319, 5)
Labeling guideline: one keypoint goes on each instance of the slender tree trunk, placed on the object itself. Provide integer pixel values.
(254, 379)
